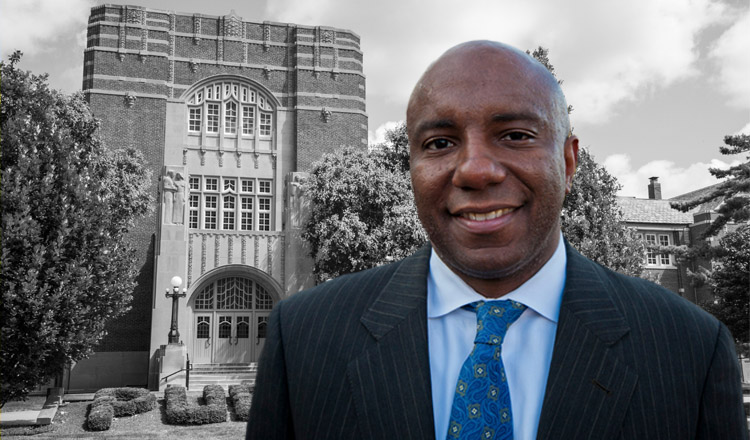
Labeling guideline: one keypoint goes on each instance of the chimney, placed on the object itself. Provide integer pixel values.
(654, 188)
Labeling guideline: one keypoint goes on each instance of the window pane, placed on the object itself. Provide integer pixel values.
(194, 211)
(264, 186)
(204, 327)
(209, 218)
(264, 204)
(230, 185)
(264, 221)
(230, 118)
(234, 293)
(212, 184)
(247, 185)
(205, 299)
(243, 327)
(265, 124)
(228, 206)
(195, 183)
(248, 119)
(194, 122)
(246, 212)
(262, 298)
(212, 118)
(225, 327)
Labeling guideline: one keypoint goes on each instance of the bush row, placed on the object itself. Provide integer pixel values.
(241, 397)
(118, 402)
(180, 412)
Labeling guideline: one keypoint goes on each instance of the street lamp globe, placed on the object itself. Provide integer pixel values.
(176, 281)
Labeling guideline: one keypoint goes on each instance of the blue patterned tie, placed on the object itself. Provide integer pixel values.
(481, 405)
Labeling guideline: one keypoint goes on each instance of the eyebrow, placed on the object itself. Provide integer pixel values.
(519, 116)
(434, 124)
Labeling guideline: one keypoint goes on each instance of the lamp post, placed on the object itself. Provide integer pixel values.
(175, 294)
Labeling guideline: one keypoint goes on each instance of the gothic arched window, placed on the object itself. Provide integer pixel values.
(230, 108)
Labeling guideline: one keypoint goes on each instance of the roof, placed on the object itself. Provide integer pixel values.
(709, 206)
(652, 211)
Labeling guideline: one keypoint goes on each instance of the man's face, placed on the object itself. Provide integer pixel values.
(489, 166)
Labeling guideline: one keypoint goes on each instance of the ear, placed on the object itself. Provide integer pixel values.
(570, 152)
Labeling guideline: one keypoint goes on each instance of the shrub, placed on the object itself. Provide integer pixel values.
(118, 402)
(241, 398)
(100, 416)
(180, 412)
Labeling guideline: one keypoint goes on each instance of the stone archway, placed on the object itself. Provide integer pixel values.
(230, 308)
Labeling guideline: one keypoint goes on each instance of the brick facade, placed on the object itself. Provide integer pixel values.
(142, 68)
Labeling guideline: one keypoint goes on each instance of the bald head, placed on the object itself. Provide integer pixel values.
(478, 63)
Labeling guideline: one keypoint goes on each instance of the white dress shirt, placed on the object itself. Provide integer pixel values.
(526, 350)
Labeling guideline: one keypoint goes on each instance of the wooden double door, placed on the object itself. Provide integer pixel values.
(228, 336)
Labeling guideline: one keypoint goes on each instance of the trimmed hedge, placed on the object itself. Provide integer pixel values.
(241, 398)
(118, 402)
(180, 412)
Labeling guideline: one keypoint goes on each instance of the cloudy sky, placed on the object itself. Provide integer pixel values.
(655, 84)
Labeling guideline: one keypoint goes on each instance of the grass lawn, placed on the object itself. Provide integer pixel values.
(70, 422)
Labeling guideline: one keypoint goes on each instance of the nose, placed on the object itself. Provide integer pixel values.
(477, 167)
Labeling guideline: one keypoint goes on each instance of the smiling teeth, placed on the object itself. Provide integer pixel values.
(486, 215)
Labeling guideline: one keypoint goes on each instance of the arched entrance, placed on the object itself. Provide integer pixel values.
(230, 315)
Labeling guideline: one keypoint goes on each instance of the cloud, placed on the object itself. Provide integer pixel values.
(34, 26)
(731, 52)
(378, 135)
(674, 180)
(606, 52)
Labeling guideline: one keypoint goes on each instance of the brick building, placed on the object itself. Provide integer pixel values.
(658, 223)
(229, 115)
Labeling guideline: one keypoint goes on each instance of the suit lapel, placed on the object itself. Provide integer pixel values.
(588, 387)
(391, 381)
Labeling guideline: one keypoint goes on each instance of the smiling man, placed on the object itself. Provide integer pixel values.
(499, 329)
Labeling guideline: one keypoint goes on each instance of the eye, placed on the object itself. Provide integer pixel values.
(516, 136)
(438, 144)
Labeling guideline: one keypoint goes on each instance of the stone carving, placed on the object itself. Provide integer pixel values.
(178, 209)
(168, 192)
(266, 36)
(327, 37)
(232, 25)
(297, 202)
(204, 238)
(193, 66)
(266, 72)
(196, 28)
(135, 16)
(144, 39)
(130, 99)
(326, 115)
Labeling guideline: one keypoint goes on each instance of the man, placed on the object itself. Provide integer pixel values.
(588, 353)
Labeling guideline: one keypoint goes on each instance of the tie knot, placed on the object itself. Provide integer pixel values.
(494, 318)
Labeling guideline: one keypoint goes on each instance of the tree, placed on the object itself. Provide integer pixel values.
(734, 192)
(362, 213)
(67, 204)
(593, 222)
(729, 276)
(730, 280)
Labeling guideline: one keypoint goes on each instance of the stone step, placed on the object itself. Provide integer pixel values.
(203, 376)
(198, 385)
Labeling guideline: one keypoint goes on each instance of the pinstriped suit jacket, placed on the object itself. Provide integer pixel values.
(631, 360)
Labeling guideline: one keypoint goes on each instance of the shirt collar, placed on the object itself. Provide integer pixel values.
(541, 293)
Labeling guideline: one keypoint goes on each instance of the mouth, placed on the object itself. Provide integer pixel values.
(485, 216)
